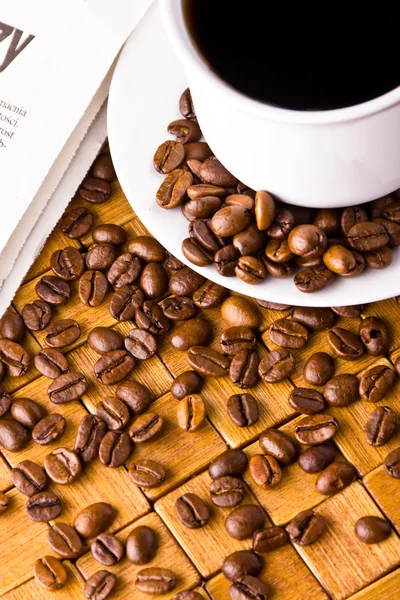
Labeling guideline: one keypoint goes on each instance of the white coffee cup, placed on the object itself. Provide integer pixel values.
(311, 158)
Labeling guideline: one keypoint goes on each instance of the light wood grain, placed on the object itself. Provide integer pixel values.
(55, 241)
(169, 556)
(386, 588)
(5, 477)
(385, 491)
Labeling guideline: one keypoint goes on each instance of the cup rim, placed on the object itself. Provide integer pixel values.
(175, 26)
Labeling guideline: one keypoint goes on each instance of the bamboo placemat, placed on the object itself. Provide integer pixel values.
(338, 566)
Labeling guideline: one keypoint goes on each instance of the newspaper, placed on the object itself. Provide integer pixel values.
(56, 61)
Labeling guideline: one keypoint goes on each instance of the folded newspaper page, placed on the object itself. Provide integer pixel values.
(56, 59)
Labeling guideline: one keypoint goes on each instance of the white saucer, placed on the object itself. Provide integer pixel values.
(145, 90)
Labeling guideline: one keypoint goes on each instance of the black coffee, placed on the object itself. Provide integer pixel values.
(304, 57)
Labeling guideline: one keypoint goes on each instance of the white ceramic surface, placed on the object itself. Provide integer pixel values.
(320, 159)
(144, 98)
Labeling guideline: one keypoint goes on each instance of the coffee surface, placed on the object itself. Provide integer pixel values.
(304, 57)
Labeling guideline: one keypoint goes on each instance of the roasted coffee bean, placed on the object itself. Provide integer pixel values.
(178, 308)
(307, 241)
(349, 312)
(115, 448)
(208, 361)
(135, 395)
(235, 339)
(12, 326)
(13, 436)
(50, 573)
(185, 131)
(67, 264)
(250, 269)
(27, 412)
(186, 105)
(109, 233)
(147, 473)
(113, 412)
(43, 507)
(105, 339)
(372, 530)
(278, 251)
(374, 335)
(150, 317)
(68, 387)
(265, 470)
(278, 270)
(264, 209)
(141, 344)
(51, 363)
(193, 332)
(269, 539)
(141, 545)
(231, 462)
(367, 236)
(288, 333)
(125, 301)
(214, 173)
(306, 401)
(188, 596)
(250, 241)
(168, 156)
(302, 262)
(313, 279)
(243, 410)
(247, 588)
(154, 280)
(145, 427)
(93, 288)
(192, 511)
(203, 190)
(328, 219)
(341, 390)
(201, 208)
(376, 383)
(49, 429)
(319, 368)
(77, 223)
(317, 458)
(63, 466)
(242, 522)
(276, 366)
(335, 478)
(29, 478)
(90, 432)
(5, 402)
(377, 206)
(230, 220)
(196, 253)
(392, 463)
(241, 563)
(62, 333)
(95, 191)
(173, 189)
(100, 585)
(2, 374)
(380, 426)
(306, 528)
(94, 519)
(124, 270)
(345, 344)
(14, 356)
(64, 540)
(155, 580)
(186, 384)
(227, 491)
(282, 225)
(114, 366)
(225, 260)
(100, 257)
(315, 319)
(242, 188)
(279, 445)
(243, 369)
(147, 248)
(103, 167)
(339, 259)
(191, 413)
(200, 231)
(316, 429)
(352, 216)
(107, 549)
(379, 259)
(392, 211)
(392, 229)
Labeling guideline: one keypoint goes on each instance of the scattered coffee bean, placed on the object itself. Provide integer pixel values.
(316, 319)
(367, 236)
(243, 410)
(90, 432)
(13, 436)
(316, 429)
(125, 301)
(208, 361)
(172, 191)
(100, 257)
(115, 448)
(178, 308)
(335, 478)
(147, 248)
(380, 426)
(372, 530)
(288, 334)
(241, 563)
(192, 511)
(231, 462)
(194, 332)
(235, 339)
(392, 463)
(237, 311)
(316, 458)
(227, 491)
(243, 369)
(141, 545)
(51, 363)
(14, 356)
(248, 587)
(94, 519)
(49, 429)
(265, 470)
(64, 540)
(145, 427)
(29, 478)
(276, 366)
(191, 413)
(135, 395)
(341, 390)
(186, 105)
(50, 573)
(155, 580)
(376, 383)
(168, 156)
(114, 366)
(348, 312)
(277, 444)
(150, 317)
(93, 288)
(146, 473)
(44, 507)
(113, 412)
(105, 339)
(12, 326)
(107, 549)
(319, 369)
(63, 466)
(306, 401)
(186, 384)
(67, 264)
(27, 412)
(124, 270)
(188, 596)
(68, 387)
(103, 167)
(374, 335)
(62, 333)
(269, 539)
(52, 290)
(100, 585)
(154, 280)
(242, 522)
(5, 402)
(306, 528)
